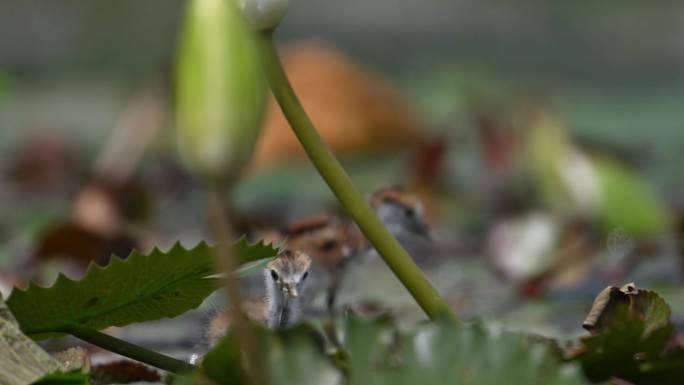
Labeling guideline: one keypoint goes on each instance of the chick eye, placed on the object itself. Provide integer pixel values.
(306, 274)
(329, 245)
(274, 275)
(409, 213)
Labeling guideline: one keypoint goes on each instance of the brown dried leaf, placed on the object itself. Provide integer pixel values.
(353, 108)
(604, 310)
(642, 304)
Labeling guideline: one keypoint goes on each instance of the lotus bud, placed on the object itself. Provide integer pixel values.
(264, 14)
(220, 92)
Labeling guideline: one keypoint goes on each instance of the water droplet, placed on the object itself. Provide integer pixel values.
(194, 358)
(620, 244)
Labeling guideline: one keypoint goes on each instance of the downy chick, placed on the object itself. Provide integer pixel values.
(331, 242)
(284, 279)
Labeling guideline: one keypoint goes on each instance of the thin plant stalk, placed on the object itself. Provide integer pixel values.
(130, 350)
(332, 172)
(226, 261)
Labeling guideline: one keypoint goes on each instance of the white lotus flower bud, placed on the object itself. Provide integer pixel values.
(264, 14)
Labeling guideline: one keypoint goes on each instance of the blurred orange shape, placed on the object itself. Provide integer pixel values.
(353, 108)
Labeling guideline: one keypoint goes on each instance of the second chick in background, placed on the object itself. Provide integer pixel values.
(401, 212)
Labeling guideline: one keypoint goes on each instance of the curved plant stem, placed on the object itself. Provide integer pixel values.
(130, 350)
(338, 181)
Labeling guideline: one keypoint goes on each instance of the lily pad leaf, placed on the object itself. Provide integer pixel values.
(379, 353)
(623, 352)
(653, 309)
(633, 339)
(613, 301)
(450, 353)
(290, 356)
(138, 289)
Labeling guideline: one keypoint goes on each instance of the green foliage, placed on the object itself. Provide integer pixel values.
(653, 309)
(4, 86)
(292, 355)
(627, 202)
(72, 377)
(22, 361)
(637, 345)
(379, 354)
(138, 289)
(449, 353)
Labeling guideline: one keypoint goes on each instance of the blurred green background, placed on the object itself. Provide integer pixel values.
(613, 71)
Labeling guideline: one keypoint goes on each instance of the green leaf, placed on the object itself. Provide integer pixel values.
(635, 345)
(72, 377)
(4, 86)
(22, 361)
(138, 289)
(654, 310)
(623, 352)
(463, 355)
(256, 265)
(365, 348)
(441, 353)
(224, 364)
(290, 355)
(627, 202)
(251, 268)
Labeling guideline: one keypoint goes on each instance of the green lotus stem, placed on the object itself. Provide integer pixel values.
(130, 350)
(330, 169)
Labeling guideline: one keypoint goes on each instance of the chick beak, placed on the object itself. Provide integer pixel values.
(292, 289)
